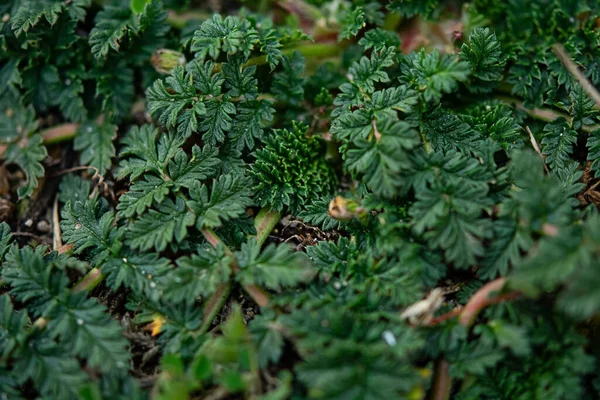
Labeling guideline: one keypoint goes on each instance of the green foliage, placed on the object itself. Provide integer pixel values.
(290, 171)
(271, 215)
(484, 55)
(96, 145)
(28, 155)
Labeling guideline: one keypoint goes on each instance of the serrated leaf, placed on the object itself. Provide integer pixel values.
(176, 102)
(145, 150)
(30, 15)
(352, 21)
(557, 142)
(141, 194)
(316, 214)
(112, 24)
(28, 155)
(74, 188)
(484, 55)
(198, 275)
(229, 197)
(86, 231)
(275, 267)
(203, 164)
(157, 228)
(229, 35)
(95, 141)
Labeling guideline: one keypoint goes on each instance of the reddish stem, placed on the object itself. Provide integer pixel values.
(442, 381)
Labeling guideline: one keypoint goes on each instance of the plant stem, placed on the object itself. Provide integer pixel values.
(258, 294)
(60, 133)
(564, 57)
(56, 134)
(264, 223)
(214, 305)
(481, 299)
(179, 21)
(543, 114)
(309, 50)
(442, 382)
(89, 281)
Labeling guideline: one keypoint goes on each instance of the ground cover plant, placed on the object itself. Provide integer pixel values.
(299, 199)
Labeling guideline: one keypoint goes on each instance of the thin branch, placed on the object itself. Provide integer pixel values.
(56, 233)
(570, 65)
(542, 114)
(259, 295)
(213, 305)
(442, 382)
(89, 281)
(537, 148)
(264, 223)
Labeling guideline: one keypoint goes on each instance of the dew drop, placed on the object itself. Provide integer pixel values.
(389, 338)
(88, 129)
(337, 285)
(152, 285)
(79, 321)
(125, 259)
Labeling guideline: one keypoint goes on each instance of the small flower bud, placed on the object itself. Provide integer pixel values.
(164, 60)
(344, 209)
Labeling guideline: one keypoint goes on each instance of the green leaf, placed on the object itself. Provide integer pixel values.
(316, 214)
(176, 102)
(12, 324)
(112, 25)
(95, 141)
(142, 194)
(352, 21)
(217, 120)
(198, 275)
(593, 145)
(433, 74)
(157, 228)
(378, 39)
(30, 15)
(137, 6)
(446, 131)
(203, 164)
(55, 372)
(366, 72)
(228, 199)
(582, 109)
(484, 55)
(275, 267)
(509, 240)
(381, 161)
(143, 153)
(74, 188)
(5, 238)
(28, 155)
(269, 341)
(288, 85)
(138, 272)
(557, 143)
(230, 35)
(86, 231)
